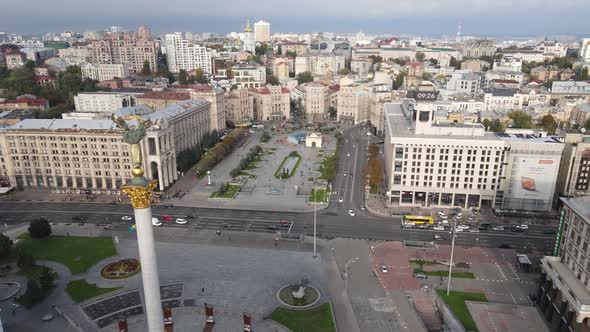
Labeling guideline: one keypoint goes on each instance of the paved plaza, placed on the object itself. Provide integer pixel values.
(263, 192)
(495, 317)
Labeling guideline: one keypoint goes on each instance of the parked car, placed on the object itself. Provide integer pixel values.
(272, 227)
(348, 155)
(498, 228)
(420, 275)
(438, 237)
(351, 213)
(190, 216)
(444, 222)
(156, 222)
(409, 226)
(181, 221)
(362, 208)
(168, 206)
(442, 214)
(463, 226)
(78, 218)
(517, 229)
(457, 230)
(384, 268)
(167, 218)
(522, 226)
(459, 215)
(439, 228)
(340, 199)
(126, 218)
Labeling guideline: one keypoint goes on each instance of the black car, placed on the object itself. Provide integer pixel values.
(190, 216)
(168, 205)
(78, 218)
(272, 227)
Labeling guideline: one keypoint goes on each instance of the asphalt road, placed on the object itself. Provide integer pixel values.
(334, 221)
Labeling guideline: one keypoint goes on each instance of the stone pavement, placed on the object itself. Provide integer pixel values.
(492, 317)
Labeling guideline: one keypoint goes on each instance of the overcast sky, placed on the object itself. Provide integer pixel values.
(430, 17)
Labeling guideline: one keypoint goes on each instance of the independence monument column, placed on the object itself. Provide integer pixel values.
(140, 192)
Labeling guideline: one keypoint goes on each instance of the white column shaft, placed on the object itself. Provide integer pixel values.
(149, 270)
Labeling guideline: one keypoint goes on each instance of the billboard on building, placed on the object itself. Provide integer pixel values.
(533, 177)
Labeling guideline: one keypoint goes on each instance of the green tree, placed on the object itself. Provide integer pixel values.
(46, 279)
(146, 70)
(332, 112)
(5, 246)
(582, 74)
(344, 71)
(549, 124)
(304, 77)
(182, 77)
(262, 49)
(291, 54)
(433, 61)
(33, 291)
(420, 56)
(587, 124)
(280, 49)
(455, 63)
(494, 126)
(272, 80)
(521, 119)
(255, 58)
(376, 58)
(39, 228)
(24, 260)
(426, 76)
(399, 81)
(200, 77)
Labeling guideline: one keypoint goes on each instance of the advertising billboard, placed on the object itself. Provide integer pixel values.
(533, 177)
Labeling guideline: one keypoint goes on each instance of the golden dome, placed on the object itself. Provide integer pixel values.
(248, 29)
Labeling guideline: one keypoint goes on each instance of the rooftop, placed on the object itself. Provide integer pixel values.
(580, 205)
(63, 124)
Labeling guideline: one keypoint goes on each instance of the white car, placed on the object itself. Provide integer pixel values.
(340, 199)
(444, 222)
(457, 230)
(384, 268)
(127, 218)
(522, 226)
(181, 221)
(362, 208)
(344, 173)
(351, 213)
(463, 227)
(474, 230)
(439, 228)
(442, 214)
(498, 228)
(348, 154)
(156, 222)
(459, 215)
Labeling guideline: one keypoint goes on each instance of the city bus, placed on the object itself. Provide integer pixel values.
(418, 220)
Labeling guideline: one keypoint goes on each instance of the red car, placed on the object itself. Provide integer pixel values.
(167, 218)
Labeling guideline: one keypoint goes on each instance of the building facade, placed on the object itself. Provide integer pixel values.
(271, 104)
(262, 32)
(317, 101)
(324, 64)
(103, 102)
(361, 67)
(354, 104)
(239, 106)
(104, 71)
(476, 48)
(215, 96)
(129, 49)
(574, 170)
(563, 296)
(181, 55)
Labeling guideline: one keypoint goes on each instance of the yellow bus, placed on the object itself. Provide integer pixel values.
(418, 220)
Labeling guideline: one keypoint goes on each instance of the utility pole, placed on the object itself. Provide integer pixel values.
(314, 216)
(452, 252)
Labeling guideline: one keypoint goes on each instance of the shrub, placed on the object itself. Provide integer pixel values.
(5, 245)
(265, 137)
(33, 291)
(39, 228)
(25, 260)
(293, 154)
(235, 172)
(46, 279)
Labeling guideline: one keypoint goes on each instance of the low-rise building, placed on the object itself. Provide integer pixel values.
(25, 102)
(508, 63)
(104, 71)
(468, 83)
(239, 106)
(299, 48)
(527, 55)
(14, 59)
(503, 75)
(580, 114)
(271, 103)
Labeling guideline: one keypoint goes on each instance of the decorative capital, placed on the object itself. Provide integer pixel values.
(141, 196)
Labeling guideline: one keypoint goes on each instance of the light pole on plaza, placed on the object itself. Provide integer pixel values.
(314, 216)
(352, 260)
(140, 191)
(453, 235)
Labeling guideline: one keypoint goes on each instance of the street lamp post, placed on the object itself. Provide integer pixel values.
(208, 178)
(352, 260)
(453, 235)
(314, 216)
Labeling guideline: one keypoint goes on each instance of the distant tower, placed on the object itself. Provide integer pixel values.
(248, 43)
(459, 38)
(144, 32)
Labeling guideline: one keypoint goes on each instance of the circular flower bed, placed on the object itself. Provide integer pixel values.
(121, 269)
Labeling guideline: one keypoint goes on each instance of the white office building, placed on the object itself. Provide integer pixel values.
(103, 102)
(104, 71)
(262, 32)
(182, 55)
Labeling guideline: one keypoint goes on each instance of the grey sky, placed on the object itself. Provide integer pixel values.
(518, 17)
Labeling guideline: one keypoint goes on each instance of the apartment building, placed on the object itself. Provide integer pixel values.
(180, 54)
(299, 48)
(527, 55)
(563, 296)
(508, 63)
(239, 106)
(122, 48)
(262, 32)
(317, 101)
(157, 100)
(246, 75)
(354, 103)
(585, 50)
(574, 170)
(361, 67)
(103, 102)
(441, 164)
(215, 96)
(475, 48)
(25, 102)
(319, 64)
(279, 67)
(104, 71)
(14, 59)
(467, 83)
(271, 103)
(75, 52)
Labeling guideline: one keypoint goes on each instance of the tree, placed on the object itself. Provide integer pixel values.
(455, 63)
(39, 228)
(33, 291)
(344, 71)
(374, 172)
(5, 245)
(332, 112)
(549, 124)
(304, 77)
(24, 260)
(280, 49)
(146, 70)
(272, 80)
(200, 76)
(376, 58)
(426, 76)
(255, 58)
(521, 119)
(182, 77)
(582, 74)
(433, 61)
(587, 124)
(262, 49)
(291, 54)
(420, 56)
(399, 81)
(46, 280)
(373, 151)
(496, 126)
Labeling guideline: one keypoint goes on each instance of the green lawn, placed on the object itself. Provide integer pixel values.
(80, 290)
(443, 273)
(76, 252)
(328, 167)
(418, 261)
(230, 191)
(312, 320)
(456, 301)
(280, 168)
(318, 195)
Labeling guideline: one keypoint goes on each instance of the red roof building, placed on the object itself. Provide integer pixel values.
(25, 102)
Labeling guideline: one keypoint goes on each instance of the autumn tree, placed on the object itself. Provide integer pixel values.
(549, 124)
